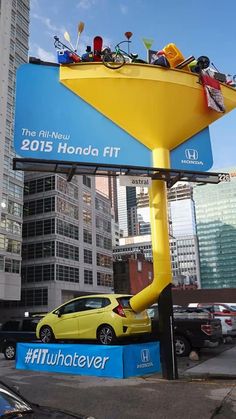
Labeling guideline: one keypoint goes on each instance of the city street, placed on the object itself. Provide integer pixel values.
(140, 397)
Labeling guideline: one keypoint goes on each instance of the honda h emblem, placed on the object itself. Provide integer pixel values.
(191, 154)
(145, 355)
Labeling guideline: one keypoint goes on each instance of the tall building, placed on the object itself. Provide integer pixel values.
(14, 34)
(107, 185)
(67, 246)
(126, 207)
(181, 210)
(216, 229)
(182, 231)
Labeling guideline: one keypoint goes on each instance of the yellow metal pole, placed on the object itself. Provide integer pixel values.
(160, 237)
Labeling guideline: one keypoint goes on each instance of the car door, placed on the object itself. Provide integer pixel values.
(67, 324)
(95, 312)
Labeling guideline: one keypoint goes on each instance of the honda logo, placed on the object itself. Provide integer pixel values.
(191, 154)
(145, 355)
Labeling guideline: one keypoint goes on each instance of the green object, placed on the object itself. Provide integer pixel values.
(193, 64)
(148, 42)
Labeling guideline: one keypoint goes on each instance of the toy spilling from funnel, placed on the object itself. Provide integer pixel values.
(168, 57)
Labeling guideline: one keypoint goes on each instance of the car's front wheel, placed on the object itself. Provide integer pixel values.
(9, 352)
(182, 346)
(106, 335)
(46, 334)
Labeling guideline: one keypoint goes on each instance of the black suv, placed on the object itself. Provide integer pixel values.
(17, 330)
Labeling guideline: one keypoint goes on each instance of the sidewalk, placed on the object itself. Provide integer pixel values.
(221, 366)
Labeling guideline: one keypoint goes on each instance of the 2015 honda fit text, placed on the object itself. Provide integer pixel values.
(104, 318)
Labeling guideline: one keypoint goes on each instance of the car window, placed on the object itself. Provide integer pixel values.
(233, 307)
(124, 301)
(95, 303)
(11, 325)
(71, 307)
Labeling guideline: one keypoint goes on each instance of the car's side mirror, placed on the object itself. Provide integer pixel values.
(58, 313)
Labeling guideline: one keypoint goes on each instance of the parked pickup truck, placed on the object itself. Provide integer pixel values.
(193, 329)
(224, 313)
(17, 330)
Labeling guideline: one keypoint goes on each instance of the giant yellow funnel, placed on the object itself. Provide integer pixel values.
(161, 108)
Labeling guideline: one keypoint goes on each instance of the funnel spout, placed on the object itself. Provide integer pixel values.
(160, 237)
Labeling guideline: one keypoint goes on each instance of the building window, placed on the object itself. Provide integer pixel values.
(34, 297)
(87, 236)
(39, 185)
(87, 199)
(88, 256)
(87, 181)
(12, 265)
(39, 206)
(67, 188)
(103, 242)
(67, 229)
(15, 209)
(104, 279)
(12, 246)
(67, 208)
(37, 273)
(103, 224)
(87, 216)
(38, 250)
(104, 260)
(67, 251)
(67, 273)
(102, 206)
(39, 228)
(88, 277)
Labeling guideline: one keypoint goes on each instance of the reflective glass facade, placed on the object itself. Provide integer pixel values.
(216, 228)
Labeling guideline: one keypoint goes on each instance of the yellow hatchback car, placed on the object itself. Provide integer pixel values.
(104, 318)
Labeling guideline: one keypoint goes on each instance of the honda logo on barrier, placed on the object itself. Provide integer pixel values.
(145, 355)
(191, 154)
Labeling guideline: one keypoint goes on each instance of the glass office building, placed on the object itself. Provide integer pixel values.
(216, 229)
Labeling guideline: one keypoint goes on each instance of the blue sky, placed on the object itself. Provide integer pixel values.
(196, 27)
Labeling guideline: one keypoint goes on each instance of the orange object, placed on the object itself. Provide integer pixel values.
(174, 56)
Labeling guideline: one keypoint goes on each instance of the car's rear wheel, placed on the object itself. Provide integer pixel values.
(9, 351)
(182, 346)
(46, 334)
(106, 335)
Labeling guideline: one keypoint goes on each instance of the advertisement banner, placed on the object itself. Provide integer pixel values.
(195, 154)
(54, 123)
(141, 359)
(97, 360)
(101, 361)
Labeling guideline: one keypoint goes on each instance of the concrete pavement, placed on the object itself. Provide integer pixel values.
(221, 366)
(197, 394)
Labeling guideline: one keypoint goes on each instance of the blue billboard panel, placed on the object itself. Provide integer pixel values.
(53, 123)
(98, 360)
(141, 359)
(194, 154)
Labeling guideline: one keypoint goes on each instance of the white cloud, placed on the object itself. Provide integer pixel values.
(86, 4)
(48, 23)
(124, 9)
(45, 55)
